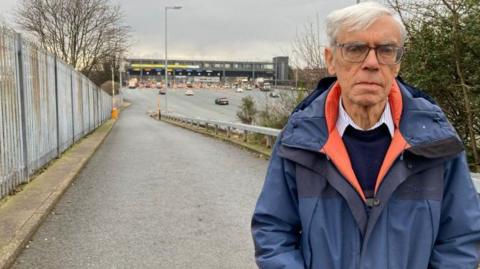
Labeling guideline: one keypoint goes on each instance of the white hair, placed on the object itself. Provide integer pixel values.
(359, 17)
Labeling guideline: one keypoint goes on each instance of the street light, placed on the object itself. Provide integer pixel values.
(113, 63)
(166, 61)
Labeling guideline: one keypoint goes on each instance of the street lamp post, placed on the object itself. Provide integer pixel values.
(166, 59)
(120, 70)
(114, 103)
(113, 81)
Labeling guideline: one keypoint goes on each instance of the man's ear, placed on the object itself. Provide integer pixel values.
(329, 60)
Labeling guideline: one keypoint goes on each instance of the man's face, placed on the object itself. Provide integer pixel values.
(366, 83)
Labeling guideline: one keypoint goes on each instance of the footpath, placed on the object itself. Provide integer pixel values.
(21, 214)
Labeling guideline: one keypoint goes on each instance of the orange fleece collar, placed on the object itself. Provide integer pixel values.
(335, 149)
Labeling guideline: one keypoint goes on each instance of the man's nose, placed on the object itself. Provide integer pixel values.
(371, 62)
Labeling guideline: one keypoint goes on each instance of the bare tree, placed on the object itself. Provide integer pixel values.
(3, 21)
(84, 33)
(307, 54)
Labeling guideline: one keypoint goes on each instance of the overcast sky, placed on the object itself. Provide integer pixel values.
(255, 30)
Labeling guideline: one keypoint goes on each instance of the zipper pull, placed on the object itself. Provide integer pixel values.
(372, 202)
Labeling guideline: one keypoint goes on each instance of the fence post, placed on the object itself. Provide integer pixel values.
(245, 136)
(269, 141)
(228, 132)
(216, 129)
(22, 103)
(72, 106)
(97, 105)
(88, 108)
(56, 105)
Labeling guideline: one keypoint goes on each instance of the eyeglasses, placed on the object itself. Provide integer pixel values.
(358, 52)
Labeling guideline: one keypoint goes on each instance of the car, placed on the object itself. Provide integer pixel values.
(162, 91)
(132, 84)
(267, 86)
(221, 101)
(274, 94)
(249, 88)
(189, 93)
(158, 85)
(239, 90)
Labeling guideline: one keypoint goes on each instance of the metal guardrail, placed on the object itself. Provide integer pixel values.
(269, 132)
(228, 127)
(476, 181)
(45, 106)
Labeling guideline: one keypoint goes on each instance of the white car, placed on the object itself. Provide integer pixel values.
(189, 93)
(274, 94)
(239, 90)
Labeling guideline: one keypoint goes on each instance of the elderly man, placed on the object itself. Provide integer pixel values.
(368, 172)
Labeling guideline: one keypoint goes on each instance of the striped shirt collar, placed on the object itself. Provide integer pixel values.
(344, 120)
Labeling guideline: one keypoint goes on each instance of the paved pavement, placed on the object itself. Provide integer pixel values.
(21, 214)
(153, 196)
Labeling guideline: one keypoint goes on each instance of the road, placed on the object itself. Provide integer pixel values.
(202, 103)
(154, 196)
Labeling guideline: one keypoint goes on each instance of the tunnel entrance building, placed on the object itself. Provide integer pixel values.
(184, 71)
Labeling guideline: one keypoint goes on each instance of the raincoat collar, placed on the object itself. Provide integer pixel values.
(417, 117)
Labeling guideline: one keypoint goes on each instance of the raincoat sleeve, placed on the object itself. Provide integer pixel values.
(276, 222)
(458, 240)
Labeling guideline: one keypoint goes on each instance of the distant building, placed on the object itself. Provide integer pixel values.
(280, 66)
(206, 71)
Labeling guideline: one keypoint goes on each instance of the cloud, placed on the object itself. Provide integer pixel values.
(221, 29)
(215, 29)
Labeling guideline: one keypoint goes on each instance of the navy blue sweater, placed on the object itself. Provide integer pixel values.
(367, 150)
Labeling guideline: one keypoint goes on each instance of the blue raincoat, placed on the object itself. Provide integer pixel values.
(424, 214)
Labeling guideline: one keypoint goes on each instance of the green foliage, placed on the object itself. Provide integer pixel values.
(441, 35)
(247, 110)
(277, 111)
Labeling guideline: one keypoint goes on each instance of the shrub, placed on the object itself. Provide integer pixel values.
(247, 110)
